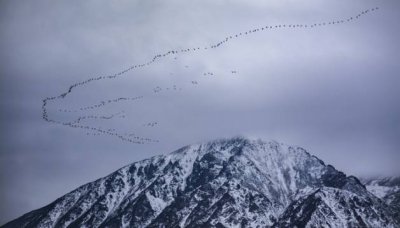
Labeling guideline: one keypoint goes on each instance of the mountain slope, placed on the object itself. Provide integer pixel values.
(387, 189)
(225, 183)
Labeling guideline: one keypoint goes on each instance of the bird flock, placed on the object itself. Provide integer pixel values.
(79, 122)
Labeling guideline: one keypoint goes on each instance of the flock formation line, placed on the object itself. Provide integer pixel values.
(132, 137)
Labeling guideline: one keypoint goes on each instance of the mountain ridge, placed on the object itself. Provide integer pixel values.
(236, 182)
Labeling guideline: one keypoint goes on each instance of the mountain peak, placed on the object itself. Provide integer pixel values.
(222, 183)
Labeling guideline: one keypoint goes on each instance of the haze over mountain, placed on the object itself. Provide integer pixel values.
(235, 182)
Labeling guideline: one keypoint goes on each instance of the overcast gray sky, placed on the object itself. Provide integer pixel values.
(333, 90)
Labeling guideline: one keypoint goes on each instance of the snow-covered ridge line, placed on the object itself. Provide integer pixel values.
(236, 182)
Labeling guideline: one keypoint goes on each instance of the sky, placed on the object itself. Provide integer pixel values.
(332, 90)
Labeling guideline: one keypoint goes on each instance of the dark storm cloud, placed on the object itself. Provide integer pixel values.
(332, 90)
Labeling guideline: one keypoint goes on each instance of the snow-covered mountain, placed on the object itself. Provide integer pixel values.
(387, 189)
(235, 182)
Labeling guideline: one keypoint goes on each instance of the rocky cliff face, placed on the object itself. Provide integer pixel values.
(225, 183)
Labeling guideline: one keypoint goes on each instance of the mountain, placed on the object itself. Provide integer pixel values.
(387, 189)
(234, 182)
